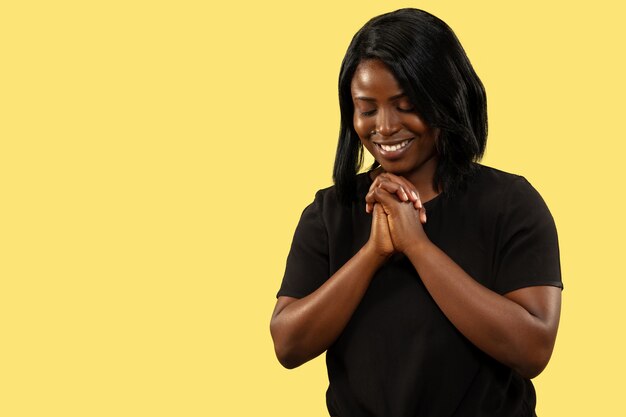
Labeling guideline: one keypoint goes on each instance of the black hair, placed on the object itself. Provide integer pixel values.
(434, 72)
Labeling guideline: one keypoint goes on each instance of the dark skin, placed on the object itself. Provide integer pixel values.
(518, 329)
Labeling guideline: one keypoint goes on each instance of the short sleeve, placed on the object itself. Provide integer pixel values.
(307, 263)
(527, 252)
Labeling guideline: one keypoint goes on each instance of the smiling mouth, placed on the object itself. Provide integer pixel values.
(396, 147)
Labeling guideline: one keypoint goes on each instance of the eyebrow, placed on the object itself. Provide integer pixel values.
(397, 96)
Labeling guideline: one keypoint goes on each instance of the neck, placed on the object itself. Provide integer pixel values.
(423, 179)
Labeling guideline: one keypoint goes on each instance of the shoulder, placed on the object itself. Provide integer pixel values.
(493, 178)
(495, 195)
(510, 199)
(499, 186)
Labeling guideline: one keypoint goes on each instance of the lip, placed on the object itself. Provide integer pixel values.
(393, 154)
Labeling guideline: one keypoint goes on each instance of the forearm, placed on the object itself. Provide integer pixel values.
(497, 325)
(305, 328)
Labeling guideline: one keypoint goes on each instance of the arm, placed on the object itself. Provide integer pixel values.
(518, 329)
(304, 328)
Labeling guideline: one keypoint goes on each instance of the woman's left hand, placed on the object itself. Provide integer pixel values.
(404, 220)
(401, 187)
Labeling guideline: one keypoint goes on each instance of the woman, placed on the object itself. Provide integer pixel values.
(432, 282)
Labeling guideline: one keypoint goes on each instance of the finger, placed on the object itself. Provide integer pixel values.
(422, 215)
(401, 190)
(408, 185)
(369, 199)
(388, 186)
(418, 202)
(385, 199)
(409, 188)
(394, 188)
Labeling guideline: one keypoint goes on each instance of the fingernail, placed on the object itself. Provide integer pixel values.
(414, 195)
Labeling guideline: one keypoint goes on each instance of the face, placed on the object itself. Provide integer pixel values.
(389, 127)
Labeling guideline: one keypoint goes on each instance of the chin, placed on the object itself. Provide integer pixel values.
(396, 169)
(425, 167)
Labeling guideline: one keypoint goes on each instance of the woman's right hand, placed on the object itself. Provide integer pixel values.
(380, 237)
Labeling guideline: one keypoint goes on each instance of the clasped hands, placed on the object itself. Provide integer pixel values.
(397, 214)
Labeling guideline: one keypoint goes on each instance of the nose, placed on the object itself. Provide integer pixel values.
(387, 122)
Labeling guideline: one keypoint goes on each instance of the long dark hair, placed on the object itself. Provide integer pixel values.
(432, 68)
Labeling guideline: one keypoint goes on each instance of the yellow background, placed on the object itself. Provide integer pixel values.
(156, 156)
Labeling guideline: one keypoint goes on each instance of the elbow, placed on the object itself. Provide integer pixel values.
(535, 362)
(285, 353)
(287, 360)
(284, 349)
(530, 371)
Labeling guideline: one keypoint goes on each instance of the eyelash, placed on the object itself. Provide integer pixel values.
(371, 112)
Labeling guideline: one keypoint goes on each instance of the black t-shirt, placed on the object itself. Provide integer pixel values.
(399, 355)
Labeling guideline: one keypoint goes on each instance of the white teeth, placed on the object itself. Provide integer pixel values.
(391, 148)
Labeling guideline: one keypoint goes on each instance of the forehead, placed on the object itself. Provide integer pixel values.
(373, 77)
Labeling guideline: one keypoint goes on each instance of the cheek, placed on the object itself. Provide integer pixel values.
(361, 127)
(365, 141)
(369, 146)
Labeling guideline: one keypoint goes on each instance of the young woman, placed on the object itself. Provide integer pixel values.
(431, 282)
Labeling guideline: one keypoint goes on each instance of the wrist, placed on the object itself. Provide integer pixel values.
(417, 249)
(372, 253)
